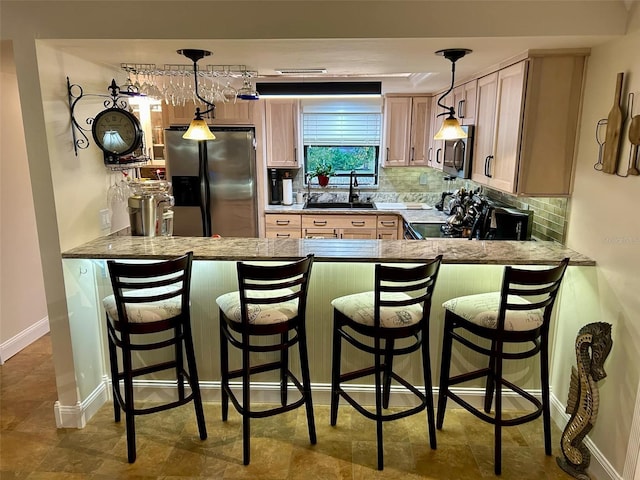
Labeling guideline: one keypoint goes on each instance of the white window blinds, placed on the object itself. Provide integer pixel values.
(341, 122)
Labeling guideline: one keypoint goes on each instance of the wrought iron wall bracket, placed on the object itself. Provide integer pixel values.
(75, 93)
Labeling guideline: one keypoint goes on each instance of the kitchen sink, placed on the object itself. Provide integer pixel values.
(340, 205)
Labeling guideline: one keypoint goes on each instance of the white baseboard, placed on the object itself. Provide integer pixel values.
(268, 392)
(23, 339)
(76, 416)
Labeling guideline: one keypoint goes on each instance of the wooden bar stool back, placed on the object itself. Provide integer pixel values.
(389, 321)
(266, 314)
(148, 299)
(519, 314)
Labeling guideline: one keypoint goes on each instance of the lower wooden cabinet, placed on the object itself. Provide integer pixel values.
(349, 226)
(388, 227)
(282, 225)
(339, 226)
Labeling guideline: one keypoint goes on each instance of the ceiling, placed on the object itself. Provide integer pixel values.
(407, 64)
(312, 34)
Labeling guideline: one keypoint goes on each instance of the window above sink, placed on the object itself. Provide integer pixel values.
(345, 134)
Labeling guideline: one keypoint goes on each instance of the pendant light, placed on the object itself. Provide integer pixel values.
(450, 126)
(198, 129)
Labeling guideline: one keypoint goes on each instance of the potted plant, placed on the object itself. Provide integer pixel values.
(323, 171)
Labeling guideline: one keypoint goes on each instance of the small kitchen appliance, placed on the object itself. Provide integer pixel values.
(275, 187)
(458, 154)
(150, 209)
(474, 216)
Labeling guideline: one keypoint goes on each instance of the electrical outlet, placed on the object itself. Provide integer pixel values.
(105, 220)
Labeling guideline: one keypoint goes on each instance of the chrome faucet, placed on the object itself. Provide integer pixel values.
(353, 183)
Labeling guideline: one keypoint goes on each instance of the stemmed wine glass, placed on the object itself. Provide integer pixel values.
(230, 94)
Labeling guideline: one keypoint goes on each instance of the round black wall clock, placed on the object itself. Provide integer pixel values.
(117, 132)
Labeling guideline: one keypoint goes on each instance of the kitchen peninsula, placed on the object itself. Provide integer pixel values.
(341, 267)
(469, 252)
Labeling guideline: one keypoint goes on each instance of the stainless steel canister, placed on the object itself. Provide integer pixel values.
(143, 215)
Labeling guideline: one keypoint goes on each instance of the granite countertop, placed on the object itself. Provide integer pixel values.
(454, 251)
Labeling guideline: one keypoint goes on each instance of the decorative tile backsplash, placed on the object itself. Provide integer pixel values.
(424, 184)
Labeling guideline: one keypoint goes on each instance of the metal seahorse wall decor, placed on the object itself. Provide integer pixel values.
(593, 345)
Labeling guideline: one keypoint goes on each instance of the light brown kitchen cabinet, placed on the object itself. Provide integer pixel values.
(388, 227)
(339, 226)
(281, 122)
(436, 147)
(464, 102)
(407, 122)
(526, 123)
(238, 113)
(283, 225)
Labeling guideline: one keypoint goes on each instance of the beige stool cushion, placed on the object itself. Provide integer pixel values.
(482, 309)
(146, 312)
(265, 314)
(359, 307)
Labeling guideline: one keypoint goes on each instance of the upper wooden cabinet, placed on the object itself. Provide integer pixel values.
(526, 123)
(436, 147)
(407, 122)
(281, 124)
(464, 102)
(239, 113)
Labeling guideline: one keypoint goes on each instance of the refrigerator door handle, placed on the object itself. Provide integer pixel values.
(205, 192)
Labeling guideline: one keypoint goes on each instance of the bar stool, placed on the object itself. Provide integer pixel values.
(271, 301)
(395, 319)
(519, 314)
(149, 298)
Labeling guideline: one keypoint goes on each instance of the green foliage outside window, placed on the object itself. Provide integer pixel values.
(343, 159)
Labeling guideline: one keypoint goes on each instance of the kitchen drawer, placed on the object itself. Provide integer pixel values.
(282, 220)
(388, 221)
(339, 221)
(283, 233)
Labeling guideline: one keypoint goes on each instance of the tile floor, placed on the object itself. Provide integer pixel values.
(31, 447)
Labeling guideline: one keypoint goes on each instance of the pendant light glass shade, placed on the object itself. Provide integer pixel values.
(450, 130)
(198, 130)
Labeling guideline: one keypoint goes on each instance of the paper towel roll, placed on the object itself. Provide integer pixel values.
(287, 191)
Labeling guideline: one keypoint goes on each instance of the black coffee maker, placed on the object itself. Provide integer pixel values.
(275, 186)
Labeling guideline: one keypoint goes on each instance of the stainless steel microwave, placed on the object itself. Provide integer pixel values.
(458, 155)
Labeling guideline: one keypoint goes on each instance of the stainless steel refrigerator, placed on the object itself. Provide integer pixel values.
(214, 182)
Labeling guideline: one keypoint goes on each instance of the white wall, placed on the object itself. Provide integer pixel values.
(604, 224)
(23, 310)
